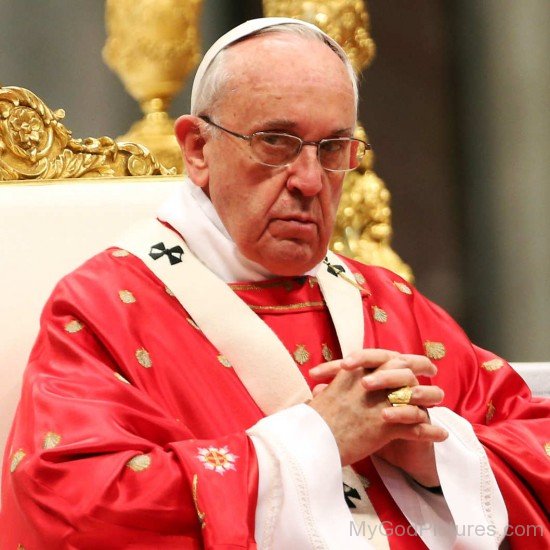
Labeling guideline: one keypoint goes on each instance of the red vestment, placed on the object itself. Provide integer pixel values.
(131, 428)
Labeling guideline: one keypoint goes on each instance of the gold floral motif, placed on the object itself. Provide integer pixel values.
(359, 278)
(326, 353)
(224, 361)
(51, 440)
(168, 291)
(547, 448)
(218, 460)
(192, 323)
(379, 314)
(119, 376)
(493, 364)
(126, 296)
(139, 463)
(73, 326)
(143, 357)
(200, 515)
(491, 409)
(402, 287)
(16, 459)
(120, 253)
(36, 145)
(435, 350)
(301, 354)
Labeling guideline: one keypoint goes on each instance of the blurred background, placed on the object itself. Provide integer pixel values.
(456, 106)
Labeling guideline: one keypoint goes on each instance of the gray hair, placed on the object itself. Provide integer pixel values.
(217, 75)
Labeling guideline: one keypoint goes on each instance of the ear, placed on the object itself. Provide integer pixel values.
(192, 142)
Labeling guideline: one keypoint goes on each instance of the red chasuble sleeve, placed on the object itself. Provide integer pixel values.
(97, 457)
(513, 426)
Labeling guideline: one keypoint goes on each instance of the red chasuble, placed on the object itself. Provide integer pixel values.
(131, 428)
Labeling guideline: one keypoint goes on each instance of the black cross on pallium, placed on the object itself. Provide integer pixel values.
(174, 254)
(332, 268)
(349, 493)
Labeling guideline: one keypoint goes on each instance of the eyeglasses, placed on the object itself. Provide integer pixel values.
(276, 149)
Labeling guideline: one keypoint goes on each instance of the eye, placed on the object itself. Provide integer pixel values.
(334, 145)
(274, 140)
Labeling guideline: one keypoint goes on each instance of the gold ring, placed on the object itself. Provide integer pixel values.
(400, 397)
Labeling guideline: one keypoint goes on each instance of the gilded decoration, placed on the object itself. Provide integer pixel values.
(217, 459)
(200, 515)
(493, 365)
(34, 144)
(434, 350)
(153, 45)
(363, 224)
(73, 326)
(144, 359)
(126, 297)
(402, 287)
(301, 354)
(379, 315)
(491, 409)
(139, 463)
(16, 459)
(51, 440)
(326, 352)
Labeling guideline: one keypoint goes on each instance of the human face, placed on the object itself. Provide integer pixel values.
(281, 218)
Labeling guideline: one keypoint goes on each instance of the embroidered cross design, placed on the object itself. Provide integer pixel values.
(349, 493)
(174, 254)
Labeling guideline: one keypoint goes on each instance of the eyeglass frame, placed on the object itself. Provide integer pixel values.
(206, 118)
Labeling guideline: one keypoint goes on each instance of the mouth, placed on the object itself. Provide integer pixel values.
(295, 227)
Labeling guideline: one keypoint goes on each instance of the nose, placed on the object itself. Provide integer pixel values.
(306, 173)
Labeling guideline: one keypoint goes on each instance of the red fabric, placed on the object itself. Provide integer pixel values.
(81, 494)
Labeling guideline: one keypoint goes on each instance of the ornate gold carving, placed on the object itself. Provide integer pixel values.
(363, 225)
(126, 297)
(73, 326)
(51, 440)
(301, 354)
(152, 45)
(326, 352)
(139, 463)
(34, 144)
(143, 357)
(379, 314)
(434, 350)
(493, 364)
(16, 459)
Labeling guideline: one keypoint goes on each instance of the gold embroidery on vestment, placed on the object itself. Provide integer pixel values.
(301, 354)
(73, 326)
(326, 353)
(379, 314)
(51, 440)
(120, 253)
(126, 296)
(119, 376)
(434, 350)
(200, 515)
(284, 283)
(491, 409)
(16, 459)
(493, 364)
(547, 448)
(168, 291)
(402, 287)
(359, 278)
(224, 361)
(192, 323)
(143, 357)
(217, 459)
(139, 463)
(301, 305)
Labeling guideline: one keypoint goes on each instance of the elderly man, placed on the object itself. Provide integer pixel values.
(211, 380)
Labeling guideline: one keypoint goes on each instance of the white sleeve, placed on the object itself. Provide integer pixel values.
(301, 501)
(471, 514)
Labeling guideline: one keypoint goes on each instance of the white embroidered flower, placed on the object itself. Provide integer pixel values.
(218, 459)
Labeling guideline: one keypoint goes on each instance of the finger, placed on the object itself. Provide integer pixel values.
(419, 364)
(426, 396)
(326, 370)
(422, 432)
(318, 389)
(405, 414)
(368, 358)
(389, 379)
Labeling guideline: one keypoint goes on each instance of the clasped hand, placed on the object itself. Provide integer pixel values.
(352, 398)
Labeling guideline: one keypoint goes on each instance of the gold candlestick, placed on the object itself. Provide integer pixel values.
(152, 45)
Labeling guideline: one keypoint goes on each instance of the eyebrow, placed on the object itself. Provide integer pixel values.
(287, 125)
